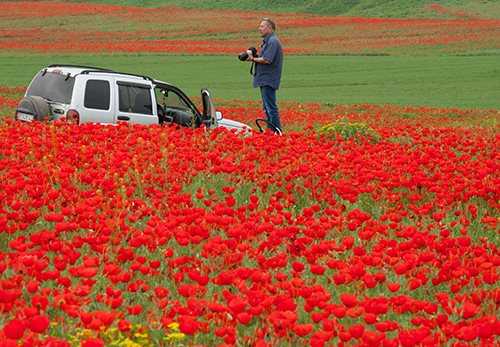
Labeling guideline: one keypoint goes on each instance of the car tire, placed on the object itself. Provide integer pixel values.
(36, 106)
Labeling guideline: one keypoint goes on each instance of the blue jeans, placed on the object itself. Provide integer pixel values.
(270, 107)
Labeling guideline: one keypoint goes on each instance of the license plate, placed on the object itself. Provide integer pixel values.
(25, 117)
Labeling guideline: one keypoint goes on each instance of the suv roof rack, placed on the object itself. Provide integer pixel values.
(86, 72)
(80, 66)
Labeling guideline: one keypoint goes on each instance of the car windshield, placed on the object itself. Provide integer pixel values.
(52, 86)
(169, 98)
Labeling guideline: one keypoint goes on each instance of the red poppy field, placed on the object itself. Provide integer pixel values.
(363, 225)
(136, 235)
(81, 27)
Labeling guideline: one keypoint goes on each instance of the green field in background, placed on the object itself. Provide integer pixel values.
(363, 8)
(464, 82)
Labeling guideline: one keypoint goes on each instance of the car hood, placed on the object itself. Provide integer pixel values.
(232, 124)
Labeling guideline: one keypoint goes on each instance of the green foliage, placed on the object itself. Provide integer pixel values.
(348, 130)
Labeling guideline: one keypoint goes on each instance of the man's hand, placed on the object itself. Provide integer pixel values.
(250, 55)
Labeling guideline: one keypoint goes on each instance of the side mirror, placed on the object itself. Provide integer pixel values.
(218, 114)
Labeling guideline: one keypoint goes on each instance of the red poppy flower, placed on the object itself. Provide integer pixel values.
(317, 269)
(93, 342)
(349, 300)
(244, 317)
(188, 325)
(356, 330)
(302, 329)
(39, 323)
(469, 310)
(124, 325)
(134, 309)
(393, 287)
(15, 329)
(466, 333)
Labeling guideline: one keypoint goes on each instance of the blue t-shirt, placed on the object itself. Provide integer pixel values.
(269, 75)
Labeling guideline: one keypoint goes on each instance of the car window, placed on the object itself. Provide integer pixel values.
(134, 98)
(169, 98)
(97, 95)
(52, 86)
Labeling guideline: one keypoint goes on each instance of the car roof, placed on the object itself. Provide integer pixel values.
(162, 84)
(74, 70)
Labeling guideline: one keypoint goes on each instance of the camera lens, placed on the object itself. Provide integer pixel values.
(243, 56)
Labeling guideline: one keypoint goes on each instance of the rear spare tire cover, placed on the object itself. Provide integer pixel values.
(36, 106)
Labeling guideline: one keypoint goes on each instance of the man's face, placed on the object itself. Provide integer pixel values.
(265, 28)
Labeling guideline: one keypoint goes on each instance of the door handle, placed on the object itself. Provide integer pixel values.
(126, 118)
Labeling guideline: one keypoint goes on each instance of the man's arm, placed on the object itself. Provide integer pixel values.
(272, 47)
(258, 60)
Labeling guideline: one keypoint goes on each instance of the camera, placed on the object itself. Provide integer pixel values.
(244, 55)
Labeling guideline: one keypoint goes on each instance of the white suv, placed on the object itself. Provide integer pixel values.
(83, 94)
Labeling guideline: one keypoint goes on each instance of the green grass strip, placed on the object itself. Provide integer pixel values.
(464, 82)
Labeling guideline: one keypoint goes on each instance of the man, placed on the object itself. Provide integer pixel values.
(267, 76)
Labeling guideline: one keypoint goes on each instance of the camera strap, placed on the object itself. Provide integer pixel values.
(252, 72)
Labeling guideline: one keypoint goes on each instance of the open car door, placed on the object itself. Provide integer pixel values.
(209, 113)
